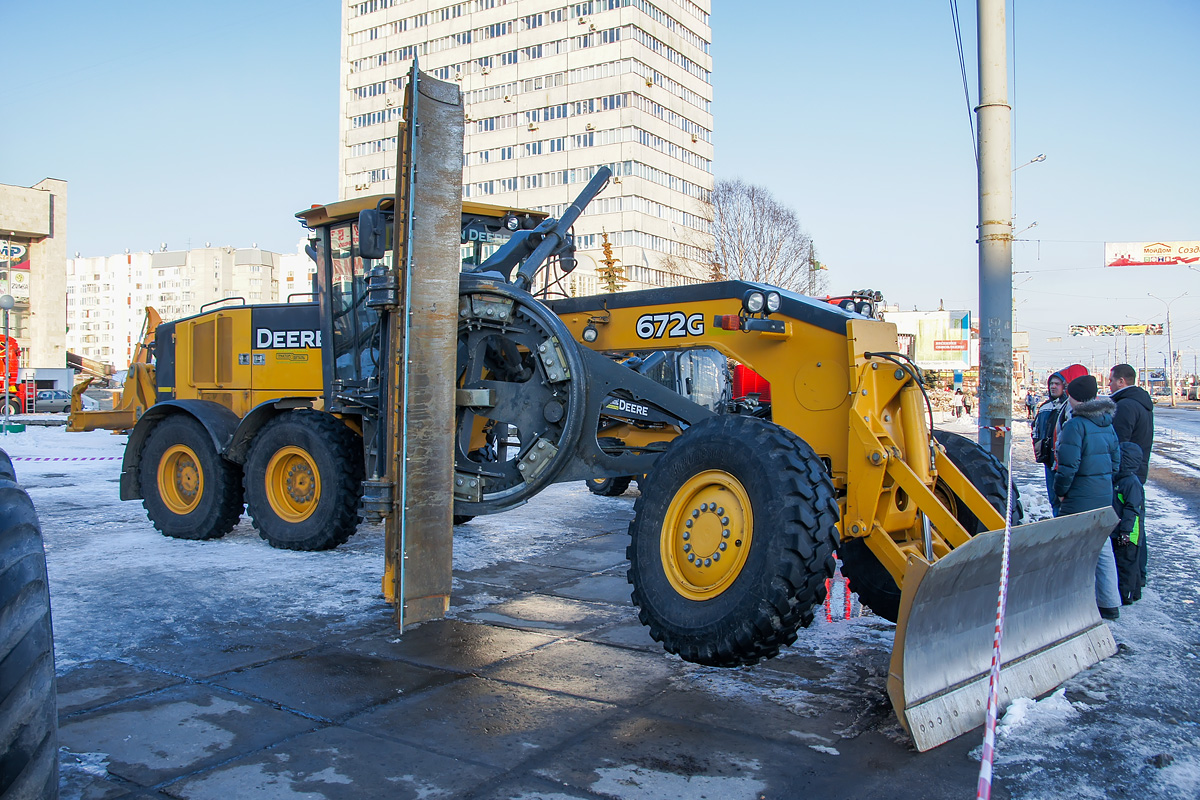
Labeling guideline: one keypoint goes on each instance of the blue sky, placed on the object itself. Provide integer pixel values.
(185, 123)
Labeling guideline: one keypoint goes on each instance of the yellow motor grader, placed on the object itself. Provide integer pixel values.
(448, 392)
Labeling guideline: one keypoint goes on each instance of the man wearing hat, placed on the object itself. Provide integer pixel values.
(1088, 457)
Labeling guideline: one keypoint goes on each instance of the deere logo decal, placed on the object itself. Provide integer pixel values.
(267, 339)
(617, 404)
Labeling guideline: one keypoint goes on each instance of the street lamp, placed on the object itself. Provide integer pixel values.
(1034, 160)
(1170, 347)
(6, 302)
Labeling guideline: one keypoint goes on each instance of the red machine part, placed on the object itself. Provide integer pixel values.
(746, 381)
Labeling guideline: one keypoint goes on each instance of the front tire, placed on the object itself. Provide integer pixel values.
(28, 706)
(188, 490)
(304, 481)
(870, 579)
(753, 507)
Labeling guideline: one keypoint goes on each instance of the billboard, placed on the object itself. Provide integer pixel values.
(14, 270)
(1154, 329)
(1136, 254)
(937, 340)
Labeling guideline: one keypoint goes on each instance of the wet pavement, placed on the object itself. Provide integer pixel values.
(546, 688)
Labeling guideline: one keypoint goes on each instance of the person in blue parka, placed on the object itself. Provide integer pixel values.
(1088, 457)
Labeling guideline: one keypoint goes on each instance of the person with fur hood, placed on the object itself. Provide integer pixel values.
(1047, 422)
(1089, 455)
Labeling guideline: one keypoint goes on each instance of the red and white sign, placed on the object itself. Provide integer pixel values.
(945, 345)
(1136, 254)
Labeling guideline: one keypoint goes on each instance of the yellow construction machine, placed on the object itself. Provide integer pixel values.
(445, 392)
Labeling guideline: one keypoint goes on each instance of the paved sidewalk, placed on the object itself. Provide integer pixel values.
(542, 684)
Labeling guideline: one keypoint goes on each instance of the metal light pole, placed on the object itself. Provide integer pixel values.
(995, 231)
(6, 302)
(1170, 347)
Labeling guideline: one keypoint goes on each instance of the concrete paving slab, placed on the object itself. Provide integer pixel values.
(482, 720)
(522, 576)
(463, 647)
(157, 737)
(594, 671)
(553, 615)
(468, 595)
(591, 555)
(332, 683)
(631, 633)
(337, 764)
(531, 787)
(605, 587)
(98, 682)
(202, 653)
(666, 759)
(82, 776)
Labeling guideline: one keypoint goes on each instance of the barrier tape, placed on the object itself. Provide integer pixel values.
(67, 458)
(984, 788)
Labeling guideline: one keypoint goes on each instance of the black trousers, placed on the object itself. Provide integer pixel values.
(1129, 579)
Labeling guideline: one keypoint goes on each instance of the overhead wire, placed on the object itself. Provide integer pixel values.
(962, 67)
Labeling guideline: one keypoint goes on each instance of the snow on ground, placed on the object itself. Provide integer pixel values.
(1125, 728)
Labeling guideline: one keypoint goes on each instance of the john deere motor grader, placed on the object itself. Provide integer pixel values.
(459, 393)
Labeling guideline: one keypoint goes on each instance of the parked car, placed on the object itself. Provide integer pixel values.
(54, 400)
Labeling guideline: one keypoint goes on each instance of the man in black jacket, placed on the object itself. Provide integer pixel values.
(1134, 422)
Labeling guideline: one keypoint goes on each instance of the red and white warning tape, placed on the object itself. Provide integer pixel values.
(67, 458)
(1001, 428)
(984, 789)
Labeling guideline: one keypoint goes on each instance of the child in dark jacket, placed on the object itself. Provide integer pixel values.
(1129, 500)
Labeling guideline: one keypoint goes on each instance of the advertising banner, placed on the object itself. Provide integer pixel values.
(940, 340)
(1154, 329)
(14, 270)
(1136, 254)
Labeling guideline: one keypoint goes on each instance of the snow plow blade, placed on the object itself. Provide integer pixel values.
(938, 678)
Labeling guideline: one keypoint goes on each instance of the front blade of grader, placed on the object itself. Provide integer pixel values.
(938, 678)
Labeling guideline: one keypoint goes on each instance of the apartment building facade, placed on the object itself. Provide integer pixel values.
(551, 92)
(106, 296)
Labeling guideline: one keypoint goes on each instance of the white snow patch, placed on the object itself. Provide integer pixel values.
(820, 748)
(631, 782)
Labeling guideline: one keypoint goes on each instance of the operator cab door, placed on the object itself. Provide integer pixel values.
(350, 331)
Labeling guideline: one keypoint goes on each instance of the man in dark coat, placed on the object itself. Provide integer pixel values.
(1088, 457)
(1134, 422)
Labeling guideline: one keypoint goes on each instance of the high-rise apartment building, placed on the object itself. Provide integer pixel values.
(107, 295)
(552, 91)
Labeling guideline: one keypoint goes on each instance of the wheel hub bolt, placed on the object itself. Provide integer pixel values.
(724, 520)
(723, 545)
(725, 533)
(687, 524)
(691, 557)
(716, 556)
(686, 536)
(721, 512)
(687, 548)
(695, 512)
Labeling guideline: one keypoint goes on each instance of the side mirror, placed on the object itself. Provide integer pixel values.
(372, 233)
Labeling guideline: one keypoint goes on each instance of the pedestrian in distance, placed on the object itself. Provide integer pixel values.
(1129, 501)
(957, 401)
(1030, 403)
(1089, 455)
(1134, 422)
(1047, 422)
(967, 402)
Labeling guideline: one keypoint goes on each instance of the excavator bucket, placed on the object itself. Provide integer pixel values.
(938, 679)
(138, 394)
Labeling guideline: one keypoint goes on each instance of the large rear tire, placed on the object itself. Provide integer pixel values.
(304, 481)
(188, 490)
(871, 581)
(732, 541)
(28, 706)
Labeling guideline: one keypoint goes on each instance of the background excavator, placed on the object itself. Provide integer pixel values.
(415, 391)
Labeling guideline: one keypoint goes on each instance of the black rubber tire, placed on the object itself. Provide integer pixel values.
(220, 504)
(462, 519)
(28, 704)
(793, 537)
(14, 407)
(868, 577)
(336, 452)
(609, 487)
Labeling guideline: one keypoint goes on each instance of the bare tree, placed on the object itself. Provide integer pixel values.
(757, 238)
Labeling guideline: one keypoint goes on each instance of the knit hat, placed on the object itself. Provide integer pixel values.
(1082, 388)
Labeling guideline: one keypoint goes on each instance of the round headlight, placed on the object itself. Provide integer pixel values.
(511, 222)
(590, 333)
(774, 301)
(754, 301)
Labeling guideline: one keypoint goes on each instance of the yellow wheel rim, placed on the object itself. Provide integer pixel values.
(706, 535)
(180, 479)
(293, 484)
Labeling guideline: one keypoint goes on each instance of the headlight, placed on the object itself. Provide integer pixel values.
(590, 333)
(754, 301)
(511, 222)
(774, 301)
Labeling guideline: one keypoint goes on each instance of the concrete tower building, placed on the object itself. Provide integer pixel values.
(551, 92)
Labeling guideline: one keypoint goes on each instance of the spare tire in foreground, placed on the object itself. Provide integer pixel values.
(28, 705)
